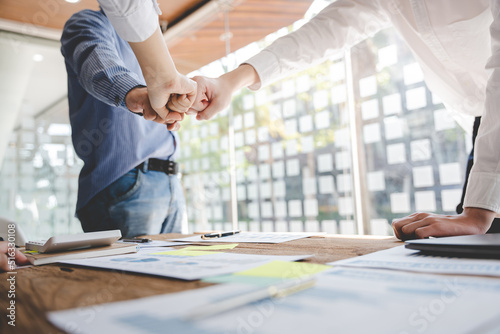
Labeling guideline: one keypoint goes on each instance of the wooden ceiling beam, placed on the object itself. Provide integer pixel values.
(194, 46)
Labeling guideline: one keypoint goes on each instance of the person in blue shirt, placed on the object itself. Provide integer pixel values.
(129, 178)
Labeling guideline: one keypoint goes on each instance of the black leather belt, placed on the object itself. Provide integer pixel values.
(166, 166)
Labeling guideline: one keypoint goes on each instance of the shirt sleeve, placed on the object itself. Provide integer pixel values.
(88, 44)
(134, 20)
(339, 26)
(483, 188)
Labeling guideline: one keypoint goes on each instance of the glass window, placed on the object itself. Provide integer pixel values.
(294, 153)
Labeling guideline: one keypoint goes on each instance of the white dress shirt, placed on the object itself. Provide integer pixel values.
(449, 38)
(483, 190)
(133, 20)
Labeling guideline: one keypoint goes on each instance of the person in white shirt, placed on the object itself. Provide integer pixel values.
(452, 43)
(136, 21)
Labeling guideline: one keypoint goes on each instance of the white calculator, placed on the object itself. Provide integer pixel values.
(68, 242)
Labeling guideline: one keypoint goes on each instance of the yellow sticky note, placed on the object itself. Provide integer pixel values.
(213, 247)
(182, 252)
(30, 252)
(282, 269)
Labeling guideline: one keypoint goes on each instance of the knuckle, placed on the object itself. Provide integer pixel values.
(422, 215)
(429, 219)
(420, 233)
(406, 229)
(398, 224)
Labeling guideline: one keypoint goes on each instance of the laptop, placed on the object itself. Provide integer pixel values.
(477, 246)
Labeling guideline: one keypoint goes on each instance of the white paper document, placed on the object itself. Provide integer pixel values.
(181, 265)
(401, 258)
(159, 243)
(344, 300)
(258, 237)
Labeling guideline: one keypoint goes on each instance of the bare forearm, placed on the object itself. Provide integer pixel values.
(155, 60)
(482, 217)
(162, 79)
(243, 76)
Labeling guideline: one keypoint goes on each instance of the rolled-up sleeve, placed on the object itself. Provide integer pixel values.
(340, 25)
(483, 189)
(134, 20)
(88, 47)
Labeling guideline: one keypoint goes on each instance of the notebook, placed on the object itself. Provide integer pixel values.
(113, 249)
(481, 246)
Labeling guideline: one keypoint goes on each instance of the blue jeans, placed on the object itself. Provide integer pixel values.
(140, 202)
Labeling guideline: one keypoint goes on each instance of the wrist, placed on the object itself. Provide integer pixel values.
(129, 96)
(168, 81)
(482, 218)
(135, 100)
(155, 60)
(243, 76)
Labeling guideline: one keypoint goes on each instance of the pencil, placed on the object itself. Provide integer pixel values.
(274, 291)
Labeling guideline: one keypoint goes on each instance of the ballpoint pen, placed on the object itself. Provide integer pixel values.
(274, 291)
(137, 240)
(219, 234)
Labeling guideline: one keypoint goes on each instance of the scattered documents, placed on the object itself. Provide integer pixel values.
(157, 313)
(344, 300)
(401, 258)
(181, 265)
(257, 237)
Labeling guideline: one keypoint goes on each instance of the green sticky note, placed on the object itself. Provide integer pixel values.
(213, 247)
(282, 269)
(250, 280)
(182, 252)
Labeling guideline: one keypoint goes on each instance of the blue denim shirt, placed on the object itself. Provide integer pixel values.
(109, 138)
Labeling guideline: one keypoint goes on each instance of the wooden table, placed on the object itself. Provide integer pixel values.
(59, 287)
